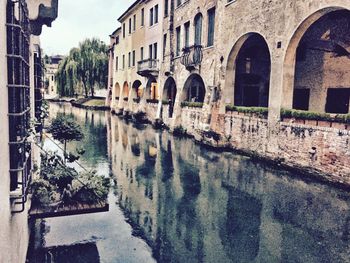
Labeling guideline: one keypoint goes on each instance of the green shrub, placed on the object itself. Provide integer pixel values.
(180, 131)
(192, 104)
(42, 192)
(308, 115)
(261, 111)
(212, 134)
(152, 101)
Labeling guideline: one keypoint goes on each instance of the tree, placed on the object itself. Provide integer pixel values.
(86, 66)
(65, 129)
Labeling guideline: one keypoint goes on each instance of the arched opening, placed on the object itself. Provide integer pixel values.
(116, 92)
(194, 89)
(125, 91)
(169, 94)
(198, 24)
(317, 62)
(252, 73)
(152, 93)
(137, 91)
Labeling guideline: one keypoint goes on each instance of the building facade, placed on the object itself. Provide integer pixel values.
(21, 81)
(51, 68)
(268, 78)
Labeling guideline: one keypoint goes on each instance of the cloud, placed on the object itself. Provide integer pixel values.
(80, 19)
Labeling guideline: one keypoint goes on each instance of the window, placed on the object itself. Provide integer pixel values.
(155, 50)
(150, 52)
(129, 59)
(178, 3)
(133, 58)
(134, 24)
(141, 53)
(164, 44)
(142, 17)
(123, 30)
(116, 64)
(123, 61)
(187, 34)
(211, 26)
(338, 100)
(129, 25)
(166, 8)
(151, 17)
(301, 98)
(156, 14)
(198, 29)
(178, 41)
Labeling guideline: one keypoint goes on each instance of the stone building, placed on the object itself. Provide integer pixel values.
(265, 77)
(21, 81)
(51, 68)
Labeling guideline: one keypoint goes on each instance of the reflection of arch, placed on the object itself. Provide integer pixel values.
(311, 43)
(125, 91)
(169, 94)
(116, 91)
(137, 90)
(252, 67)
(151, 91)
(194, 89)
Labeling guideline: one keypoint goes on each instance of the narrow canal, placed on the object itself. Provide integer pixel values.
(174, 201)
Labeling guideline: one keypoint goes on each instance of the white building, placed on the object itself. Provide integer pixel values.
(20, 79)
(51, 69)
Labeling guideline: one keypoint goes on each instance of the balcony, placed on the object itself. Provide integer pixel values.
(192, 56)
(148, 67)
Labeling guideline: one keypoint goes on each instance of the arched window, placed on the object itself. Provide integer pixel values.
(198, 21)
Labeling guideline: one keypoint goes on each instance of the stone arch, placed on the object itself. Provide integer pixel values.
(137, 90)
(116, 91)
(125, 94)
(151, 92)
(194, 89)
(317, 46)
(248, 72)
(169, 94)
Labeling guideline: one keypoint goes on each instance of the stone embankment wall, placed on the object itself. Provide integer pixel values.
(321, 151)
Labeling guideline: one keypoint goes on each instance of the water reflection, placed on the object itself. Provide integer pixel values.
(193, 205)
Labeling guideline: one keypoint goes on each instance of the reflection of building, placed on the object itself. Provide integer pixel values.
(51, 67)
(224, 66)
(21, 79)
(194, 205)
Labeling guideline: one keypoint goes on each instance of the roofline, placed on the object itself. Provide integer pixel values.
(129, 9)
(115, 31)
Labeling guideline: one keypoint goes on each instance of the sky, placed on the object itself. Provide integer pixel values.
(81, 19)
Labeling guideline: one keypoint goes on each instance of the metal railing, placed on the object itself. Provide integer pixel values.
(192, 56)
(147, 66)
(17, 24)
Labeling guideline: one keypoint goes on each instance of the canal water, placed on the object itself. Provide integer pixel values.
(172, 200)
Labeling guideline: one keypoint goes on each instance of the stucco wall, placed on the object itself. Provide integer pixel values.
(14, 227)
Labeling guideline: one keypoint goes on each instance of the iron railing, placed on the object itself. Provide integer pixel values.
(148, 66)
(17, 24)
(38, 88)
(192, 56)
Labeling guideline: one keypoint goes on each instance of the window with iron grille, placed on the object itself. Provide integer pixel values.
(38, 86)
(17, 23)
